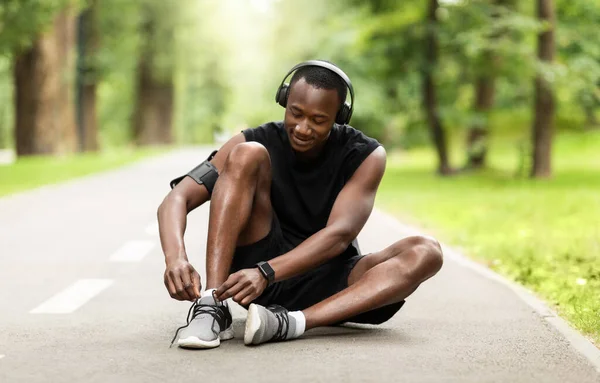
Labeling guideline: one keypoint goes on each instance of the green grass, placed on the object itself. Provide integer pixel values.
(544, 234)
(30, 172)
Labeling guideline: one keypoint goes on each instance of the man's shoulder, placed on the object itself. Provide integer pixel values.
(349, 135)
(271, 125)
(266, 131)
(354, 146)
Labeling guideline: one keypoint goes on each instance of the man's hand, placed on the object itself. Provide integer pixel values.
(182, 280)
(243, 286)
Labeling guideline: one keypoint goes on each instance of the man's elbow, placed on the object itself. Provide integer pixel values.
(344, 237)
(173, 198)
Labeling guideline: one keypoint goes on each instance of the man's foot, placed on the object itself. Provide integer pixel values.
(269, 324)
(210, 323)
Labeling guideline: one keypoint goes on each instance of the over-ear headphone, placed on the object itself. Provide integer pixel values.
(344, 114)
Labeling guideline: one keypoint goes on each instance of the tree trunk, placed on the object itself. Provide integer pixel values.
(544, 97)
(429, 91)
(44, 113)
(89, 119)
(591, 121)
(88, 42)
(477, 138)
(153, 116)
(154, 109)
(478, 133)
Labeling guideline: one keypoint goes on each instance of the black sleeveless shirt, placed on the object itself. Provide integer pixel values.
(303, 193)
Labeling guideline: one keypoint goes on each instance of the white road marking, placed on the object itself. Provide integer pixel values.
(2, 356)
(73, 297)
(132, 251)
(152, 229)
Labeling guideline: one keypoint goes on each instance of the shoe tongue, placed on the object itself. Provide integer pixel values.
(208, 300)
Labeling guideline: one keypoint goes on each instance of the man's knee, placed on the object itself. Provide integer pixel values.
(246, 156)
(427, 257)
(431, 255)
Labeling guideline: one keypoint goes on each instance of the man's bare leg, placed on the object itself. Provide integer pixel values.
(240, 208)
(240, 213)
(379, 279)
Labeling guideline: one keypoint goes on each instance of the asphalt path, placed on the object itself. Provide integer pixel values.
(82, 299)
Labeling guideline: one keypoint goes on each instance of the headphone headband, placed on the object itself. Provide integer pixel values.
(331, 67)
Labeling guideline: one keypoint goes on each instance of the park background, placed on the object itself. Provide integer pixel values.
(488, 108)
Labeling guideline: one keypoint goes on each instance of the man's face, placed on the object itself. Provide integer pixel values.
(309, 116)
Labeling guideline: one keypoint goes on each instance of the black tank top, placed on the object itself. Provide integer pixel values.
(303, 193)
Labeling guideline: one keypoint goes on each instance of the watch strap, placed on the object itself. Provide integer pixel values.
(267, 271)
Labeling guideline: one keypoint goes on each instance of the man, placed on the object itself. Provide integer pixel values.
(288, 200)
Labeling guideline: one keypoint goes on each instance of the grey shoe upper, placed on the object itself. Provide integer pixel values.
(208, 319)
(275, 324)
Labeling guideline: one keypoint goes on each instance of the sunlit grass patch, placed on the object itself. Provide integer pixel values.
(30, 172)
(544, 234)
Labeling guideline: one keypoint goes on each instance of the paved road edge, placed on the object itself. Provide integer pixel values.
(579, 342)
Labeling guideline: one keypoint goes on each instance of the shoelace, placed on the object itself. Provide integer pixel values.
(216, 311)
(283, 324)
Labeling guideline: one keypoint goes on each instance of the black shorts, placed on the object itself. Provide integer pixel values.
(305, 290)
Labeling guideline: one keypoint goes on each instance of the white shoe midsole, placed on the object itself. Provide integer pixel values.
(252, 324)
(195, 342)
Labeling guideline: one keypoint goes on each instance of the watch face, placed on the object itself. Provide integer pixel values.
(267, 271)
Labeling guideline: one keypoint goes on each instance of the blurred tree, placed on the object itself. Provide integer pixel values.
(153, 115)
(382, 48)
(204, 69)
(88, 36)
(578, 49)
(115, 70)
(160, 63)
(23, 20)
(430, 101)
(44, 113)
(6, 103)
(486, 69)
(543, 124)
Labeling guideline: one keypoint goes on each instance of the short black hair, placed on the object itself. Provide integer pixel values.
(321, 78)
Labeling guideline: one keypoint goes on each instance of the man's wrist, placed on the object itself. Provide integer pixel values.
(175, 256)
(266, 271)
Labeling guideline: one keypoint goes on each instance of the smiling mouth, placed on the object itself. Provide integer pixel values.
(301, 141)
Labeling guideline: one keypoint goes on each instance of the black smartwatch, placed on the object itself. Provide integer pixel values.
(267, 271)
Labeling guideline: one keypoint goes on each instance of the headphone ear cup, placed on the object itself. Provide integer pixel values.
(343, 116)
(282, 95)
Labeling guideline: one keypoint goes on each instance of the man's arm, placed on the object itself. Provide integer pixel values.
(172, 221)
(350, 212)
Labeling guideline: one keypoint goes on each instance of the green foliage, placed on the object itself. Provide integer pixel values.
(202, 72)
(130, 31)
(116, 62)
(226, 59)
(579, 55)
(543, 234)
(6, 105)
(384, 59)
(476, 37)
(21, 21)
(390, 46)
(158, 20)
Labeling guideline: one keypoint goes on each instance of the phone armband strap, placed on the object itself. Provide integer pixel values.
(204, 174)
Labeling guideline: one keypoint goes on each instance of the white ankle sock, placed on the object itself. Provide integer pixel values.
(207, 293)
(300, 323)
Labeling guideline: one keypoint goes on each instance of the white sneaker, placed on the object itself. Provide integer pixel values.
(210, 323)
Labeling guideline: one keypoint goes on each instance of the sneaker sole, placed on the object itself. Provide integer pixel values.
(197, 343)
(252, 324)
